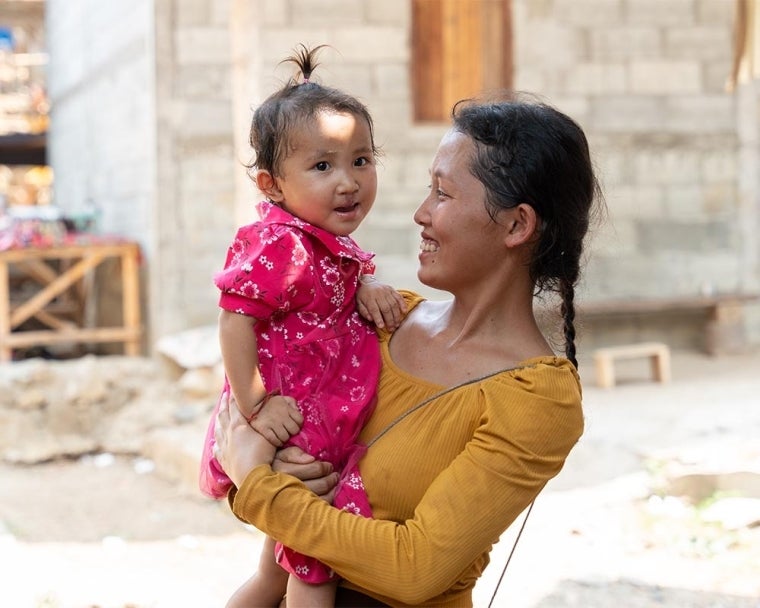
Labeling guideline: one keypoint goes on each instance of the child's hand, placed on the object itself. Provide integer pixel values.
(380, 303)
(278, 420)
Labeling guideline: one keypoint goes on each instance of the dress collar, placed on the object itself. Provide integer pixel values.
(342, 246)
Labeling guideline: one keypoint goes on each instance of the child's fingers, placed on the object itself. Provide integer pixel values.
(400, 301)
(374, 314)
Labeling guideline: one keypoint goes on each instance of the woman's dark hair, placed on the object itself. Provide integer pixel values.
(528, 152)
(299, 101)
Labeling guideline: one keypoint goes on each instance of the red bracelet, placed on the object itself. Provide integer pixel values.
(258, 406)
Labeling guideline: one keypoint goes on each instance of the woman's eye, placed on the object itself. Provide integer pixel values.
(322, 166)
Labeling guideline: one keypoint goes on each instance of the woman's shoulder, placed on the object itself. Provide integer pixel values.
(546, 374)
(412, 300)
(546, 391)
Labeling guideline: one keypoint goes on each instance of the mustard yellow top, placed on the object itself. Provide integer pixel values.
(444, 482)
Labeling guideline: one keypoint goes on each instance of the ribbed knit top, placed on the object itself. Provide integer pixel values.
(444, 482)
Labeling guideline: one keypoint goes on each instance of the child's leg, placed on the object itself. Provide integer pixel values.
(305, 595)
(267, 587)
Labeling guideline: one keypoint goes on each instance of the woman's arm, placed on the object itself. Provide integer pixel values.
(462, 513)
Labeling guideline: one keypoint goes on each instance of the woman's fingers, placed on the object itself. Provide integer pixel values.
(294, 454)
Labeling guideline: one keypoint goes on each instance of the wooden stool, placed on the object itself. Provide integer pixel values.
(604, 361)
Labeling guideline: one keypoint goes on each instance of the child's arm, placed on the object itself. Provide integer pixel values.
(379, 303)
(277, 422)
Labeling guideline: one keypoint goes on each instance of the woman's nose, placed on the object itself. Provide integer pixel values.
(421, 215)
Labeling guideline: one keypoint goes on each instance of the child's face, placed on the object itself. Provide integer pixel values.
(329, 177)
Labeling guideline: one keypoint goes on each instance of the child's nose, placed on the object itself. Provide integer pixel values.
(348, 183)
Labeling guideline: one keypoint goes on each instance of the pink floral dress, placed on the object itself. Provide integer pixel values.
(299, 282)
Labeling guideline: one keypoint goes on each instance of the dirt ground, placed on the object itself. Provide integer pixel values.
(110, 532)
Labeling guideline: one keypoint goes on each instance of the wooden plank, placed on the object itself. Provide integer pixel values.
(666, 304)
(92, 334)
(6, 353)
(131, 299)
(427, 67)
(59, 285)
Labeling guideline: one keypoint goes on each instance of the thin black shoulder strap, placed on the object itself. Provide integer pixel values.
(422, 404)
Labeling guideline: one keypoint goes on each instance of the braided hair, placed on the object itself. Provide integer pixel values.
(296, 103)
(528, 152)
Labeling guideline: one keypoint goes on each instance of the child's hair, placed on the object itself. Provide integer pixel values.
(528, 152)
(299, 101)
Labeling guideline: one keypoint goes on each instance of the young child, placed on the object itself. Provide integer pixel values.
(292, 289)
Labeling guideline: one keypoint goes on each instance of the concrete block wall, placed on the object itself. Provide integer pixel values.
(194, 207)
(677, 155)
(101, 140)
(646, 79)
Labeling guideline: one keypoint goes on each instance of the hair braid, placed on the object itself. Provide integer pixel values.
(567, 293)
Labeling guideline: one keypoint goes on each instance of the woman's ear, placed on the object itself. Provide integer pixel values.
(267, 183)
(522, 224)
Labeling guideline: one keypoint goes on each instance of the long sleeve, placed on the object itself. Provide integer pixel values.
(475, 461)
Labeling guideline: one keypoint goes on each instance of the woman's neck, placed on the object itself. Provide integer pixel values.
(447, 342)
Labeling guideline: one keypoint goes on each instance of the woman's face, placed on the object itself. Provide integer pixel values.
(461, 244)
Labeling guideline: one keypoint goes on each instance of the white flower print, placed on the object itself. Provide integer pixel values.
(330, 274)
(355, 361)
(300, 256)
(268, 235)
(302, 570)
(238, 249)
(308, 318)
(249, 289)
(354, 481)
(265, 262)
(352, 508)
(357, 393)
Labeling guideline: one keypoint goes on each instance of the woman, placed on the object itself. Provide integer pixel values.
(475, 412)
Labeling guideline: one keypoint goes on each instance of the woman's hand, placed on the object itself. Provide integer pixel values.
(316, 475)
(239, 448)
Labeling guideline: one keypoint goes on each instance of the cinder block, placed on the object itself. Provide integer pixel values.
(596, 79)
(203, 46)
(659, 13)
(334, 13)
(665, 77)
(699, 42)
(626, 43)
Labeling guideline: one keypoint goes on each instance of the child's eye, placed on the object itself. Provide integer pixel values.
(361, 161)
(322, 165)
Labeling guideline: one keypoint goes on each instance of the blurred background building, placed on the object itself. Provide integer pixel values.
(150, 102)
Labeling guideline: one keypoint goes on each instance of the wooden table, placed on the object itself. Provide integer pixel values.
(61, 274)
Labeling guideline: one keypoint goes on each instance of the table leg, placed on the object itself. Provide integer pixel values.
(131, 299)
(6, 352)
